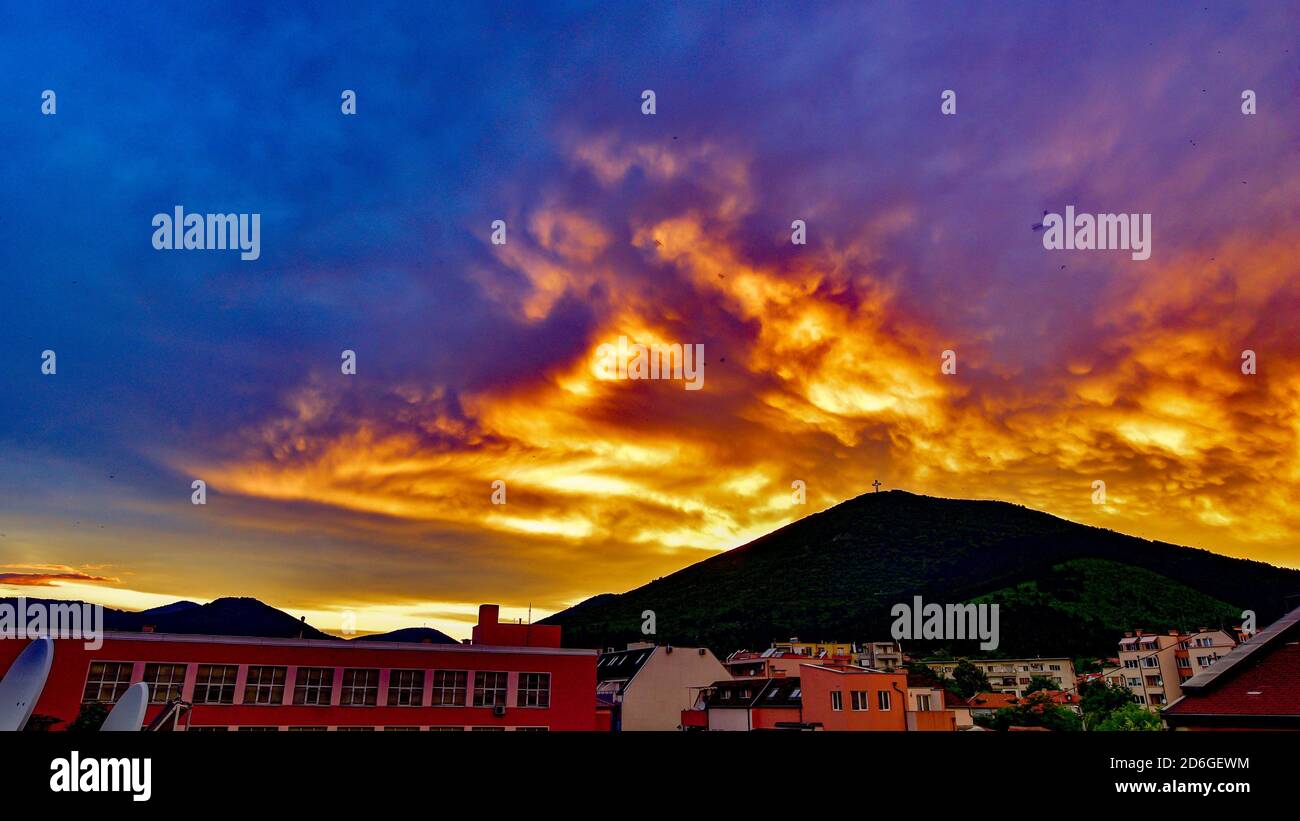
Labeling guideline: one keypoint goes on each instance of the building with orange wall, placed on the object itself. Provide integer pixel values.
(853, 698)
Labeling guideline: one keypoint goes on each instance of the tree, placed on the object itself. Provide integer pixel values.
(920, 674)
(1036, 710)
(967, 680)
(1131, 717)
(41, 723)
(1037, 683)
(1101, 698)
(90, 718)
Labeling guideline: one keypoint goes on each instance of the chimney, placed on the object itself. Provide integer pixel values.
(488, 614)
(1173, 633)
(1128, 634)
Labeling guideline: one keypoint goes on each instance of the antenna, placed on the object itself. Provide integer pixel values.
(22, 685)
(128, 714)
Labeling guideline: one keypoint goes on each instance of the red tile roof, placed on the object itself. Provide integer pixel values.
(992, 701)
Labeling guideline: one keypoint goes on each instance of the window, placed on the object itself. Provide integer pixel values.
(107, 681)
(882, 699)
(207, 729)
(215, 684)
(489, 690)
(923, 704)
(258, 729)
(401, 729)
(165, 681)
(858, 699)
(449, 688)
(1150, 661)
(489, 729)
(1056, 668)
(313, 685)
(1130, 663)
(307, 729)
(446, 729)
(837, 700)
(265, 685)
(406, 688)
(356, 729)
(534, 690)
(531, 729)
(360, 688)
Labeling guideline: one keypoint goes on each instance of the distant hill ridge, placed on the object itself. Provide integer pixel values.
(233, 616)
(1063, 588)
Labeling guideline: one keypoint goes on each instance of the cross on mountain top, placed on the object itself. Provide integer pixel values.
(876, 485)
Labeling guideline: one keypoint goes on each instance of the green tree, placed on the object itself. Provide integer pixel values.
(1037, 683)
(1131, 717)
(90, 718)
(921, 674)
(1101, 698)
(1036, 710)
(967, 680)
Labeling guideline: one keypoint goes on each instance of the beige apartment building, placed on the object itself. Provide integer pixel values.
(1154, 665)
(1012, 676)
(880, 655)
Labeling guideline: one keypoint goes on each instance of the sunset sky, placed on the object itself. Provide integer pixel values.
(372, 493)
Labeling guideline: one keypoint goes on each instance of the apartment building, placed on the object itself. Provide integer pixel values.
(1013, 676)
(1154, 665)
(879, 655)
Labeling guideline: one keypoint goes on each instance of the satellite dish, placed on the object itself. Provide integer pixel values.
(22, 685)
(128, 714)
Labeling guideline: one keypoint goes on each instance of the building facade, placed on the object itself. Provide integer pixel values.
(646, 687)
(1013, 676)
(1154, 665)
(853, 698)
(245, 683)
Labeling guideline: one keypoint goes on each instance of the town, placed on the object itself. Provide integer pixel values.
(517, 676)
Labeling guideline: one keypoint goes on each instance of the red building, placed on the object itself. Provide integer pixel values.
(513, 677)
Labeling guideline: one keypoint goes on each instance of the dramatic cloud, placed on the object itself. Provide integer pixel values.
(374, 492)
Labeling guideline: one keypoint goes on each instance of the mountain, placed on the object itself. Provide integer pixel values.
(1063, 588)
(416, 635)
(222, 617)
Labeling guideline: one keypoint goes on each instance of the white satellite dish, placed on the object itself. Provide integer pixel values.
(128, 714)
(22, 685)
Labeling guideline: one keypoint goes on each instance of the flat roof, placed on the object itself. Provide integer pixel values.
(353, 644)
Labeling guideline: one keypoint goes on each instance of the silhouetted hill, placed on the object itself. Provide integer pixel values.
(411, 634)
(1064, 588)
(222, 617)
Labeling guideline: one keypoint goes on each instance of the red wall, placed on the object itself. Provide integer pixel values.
(573, 679)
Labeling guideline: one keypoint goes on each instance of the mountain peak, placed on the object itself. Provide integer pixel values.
(836, 574)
